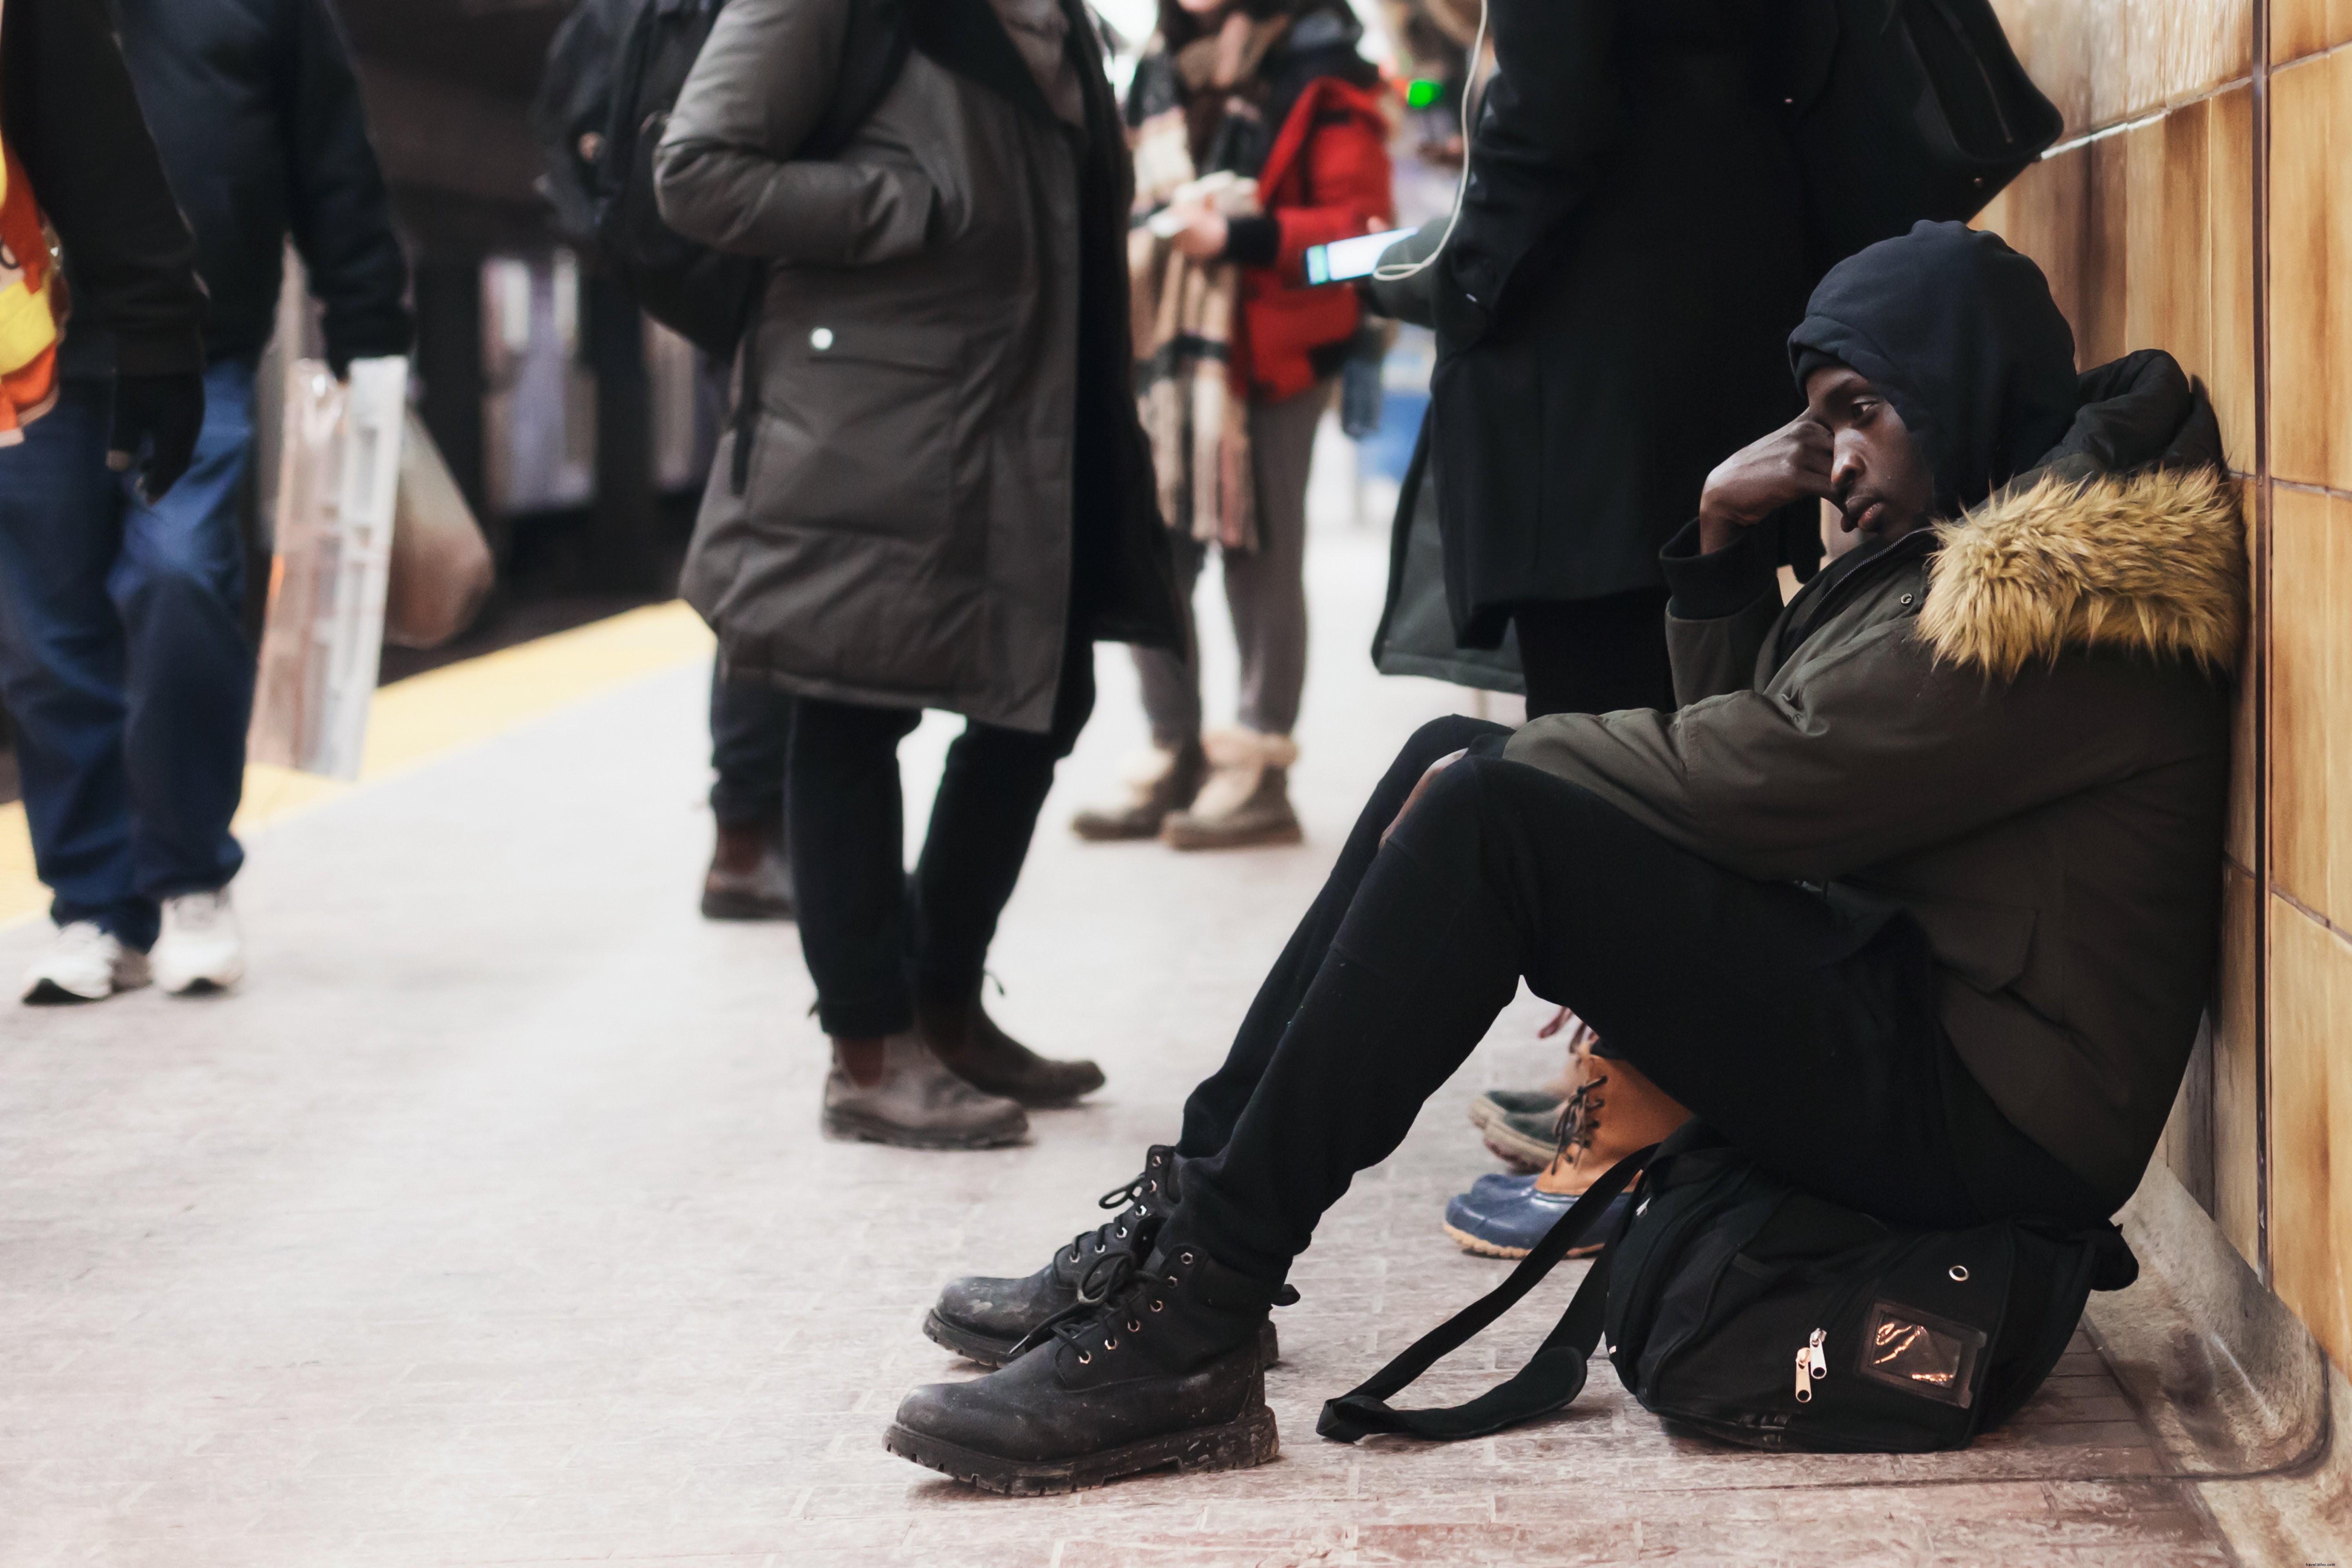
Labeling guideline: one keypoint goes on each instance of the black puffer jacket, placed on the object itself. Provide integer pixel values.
(257, 112)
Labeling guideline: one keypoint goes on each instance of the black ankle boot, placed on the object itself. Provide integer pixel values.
(1162, 1370)
(981, 1319)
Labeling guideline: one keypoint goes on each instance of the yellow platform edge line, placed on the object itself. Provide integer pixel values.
(428, 716)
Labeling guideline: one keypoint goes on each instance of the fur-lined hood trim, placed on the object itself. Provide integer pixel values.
(2154, 562)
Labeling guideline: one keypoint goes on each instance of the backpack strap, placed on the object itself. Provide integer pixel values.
(1552, 1377)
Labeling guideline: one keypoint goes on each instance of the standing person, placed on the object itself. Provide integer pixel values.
(1274, 91)
(123, 647)
(948, 498)
(1600, 346)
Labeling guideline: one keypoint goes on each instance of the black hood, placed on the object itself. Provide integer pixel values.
(1961, 335)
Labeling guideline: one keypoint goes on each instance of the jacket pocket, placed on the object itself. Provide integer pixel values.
(860, 430)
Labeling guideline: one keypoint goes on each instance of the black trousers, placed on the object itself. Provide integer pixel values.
(1596, 656)
(875, 938)
(751, 735)
(1807, 1039)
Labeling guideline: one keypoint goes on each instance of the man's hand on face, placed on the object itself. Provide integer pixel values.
(1790, 465)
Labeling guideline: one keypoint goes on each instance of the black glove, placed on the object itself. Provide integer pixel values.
(1411, 300)
(156, 420)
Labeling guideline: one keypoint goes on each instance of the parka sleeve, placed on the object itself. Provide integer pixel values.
(725, 172)
(339, 209)
(74, 120)
(1722, 609)
(1880, 753)
(1349, 184)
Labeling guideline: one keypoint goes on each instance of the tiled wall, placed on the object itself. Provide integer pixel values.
(2149, 218)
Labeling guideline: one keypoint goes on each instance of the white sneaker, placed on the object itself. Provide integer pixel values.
(201, 948)
(84, 964)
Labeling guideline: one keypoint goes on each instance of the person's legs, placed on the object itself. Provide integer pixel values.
(849, 877)
(1163, 777)
(1216, 1105)
(1798, 1034)
(751, 737)
(62, 661)
(1265, 588)
(1170, 680)
(178, 586)
(1596, 656)
(750, 875)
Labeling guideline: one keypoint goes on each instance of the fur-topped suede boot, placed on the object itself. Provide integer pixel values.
(981, 1319)
(1162, 1370)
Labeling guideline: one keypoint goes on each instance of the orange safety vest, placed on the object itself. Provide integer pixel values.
(29, 300)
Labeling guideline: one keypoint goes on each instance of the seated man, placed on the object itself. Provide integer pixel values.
(1914, 899)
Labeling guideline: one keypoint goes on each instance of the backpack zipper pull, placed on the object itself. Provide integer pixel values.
(1812, 1361)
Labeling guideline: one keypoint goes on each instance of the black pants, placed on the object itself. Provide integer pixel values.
(751, 735)
(1596, 656)
(875, 938)
(1810, 1040)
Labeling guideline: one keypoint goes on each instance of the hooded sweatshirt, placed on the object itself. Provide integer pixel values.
(2012, 729)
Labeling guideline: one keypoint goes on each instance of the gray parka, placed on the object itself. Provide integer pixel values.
(2011, 729)
(947, 486)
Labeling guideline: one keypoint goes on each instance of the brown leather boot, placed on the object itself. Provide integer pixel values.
(967, 1039)
(750, 875)
(1613, 1111)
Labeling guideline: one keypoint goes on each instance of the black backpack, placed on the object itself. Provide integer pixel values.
(1905, 109)
(604, 101)
(1735, 1306)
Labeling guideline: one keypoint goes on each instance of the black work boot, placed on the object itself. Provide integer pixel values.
(983, 1319)
(1162, 1370)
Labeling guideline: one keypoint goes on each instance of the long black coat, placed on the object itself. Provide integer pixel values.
(1615, 307)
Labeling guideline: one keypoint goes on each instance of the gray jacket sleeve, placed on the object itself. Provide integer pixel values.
(1877, 752)
(725, 173)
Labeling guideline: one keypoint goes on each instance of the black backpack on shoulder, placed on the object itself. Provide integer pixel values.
(1736, 1307)
(1903, 111)
(604, 101)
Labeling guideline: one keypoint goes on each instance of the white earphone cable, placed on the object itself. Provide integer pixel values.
(1398, 271)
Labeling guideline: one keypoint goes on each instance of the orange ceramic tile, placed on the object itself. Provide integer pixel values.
(2237, 1047)
(2301, 28)
(2102, 330)
(2229, 213)
(2042, 215)
(2242, 831)
(2306, 271)
(2167, 292)
(2311, 1118)
(2311, 699)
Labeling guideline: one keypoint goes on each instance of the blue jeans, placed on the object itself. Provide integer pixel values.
(123, 659)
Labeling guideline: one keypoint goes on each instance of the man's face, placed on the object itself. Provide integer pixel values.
(1883, 488)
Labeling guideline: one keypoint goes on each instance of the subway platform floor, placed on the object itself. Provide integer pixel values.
(488, 1222)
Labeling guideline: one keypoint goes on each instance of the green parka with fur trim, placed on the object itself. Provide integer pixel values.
(2013, 730)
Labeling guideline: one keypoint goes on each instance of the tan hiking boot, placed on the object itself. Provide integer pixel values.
(1615, 1111)
(1159, 781)
(1246, 801)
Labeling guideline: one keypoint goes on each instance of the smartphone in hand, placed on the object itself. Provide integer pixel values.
(1345, 260)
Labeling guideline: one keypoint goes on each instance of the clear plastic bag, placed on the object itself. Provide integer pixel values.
(339, 472)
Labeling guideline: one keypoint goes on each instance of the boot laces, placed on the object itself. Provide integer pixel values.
(1580, 1116)
(1111, 1302)
(1105, 1237)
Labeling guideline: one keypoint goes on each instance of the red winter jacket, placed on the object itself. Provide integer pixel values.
(1326, 178)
